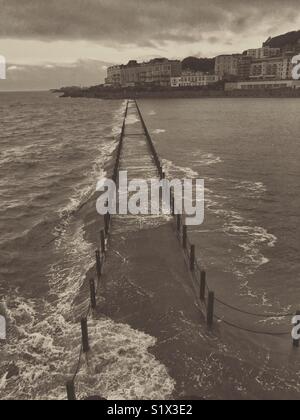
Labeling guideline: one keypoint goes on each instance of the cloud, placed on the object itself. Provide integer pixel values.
(139, 22)
(51, 75)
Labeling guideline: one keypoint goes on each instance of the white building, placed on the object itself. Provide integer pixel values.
(154, 72)
(263, 84)
(189, 78)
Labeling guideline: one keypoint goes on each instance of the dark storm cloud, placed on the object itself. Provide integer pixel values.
(139, 22)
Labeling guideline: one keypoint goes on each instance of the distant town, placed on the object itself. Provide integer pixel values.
(269, 66)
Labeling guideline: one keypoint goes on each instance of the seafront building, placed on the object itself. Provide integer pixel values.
(235, 65)
(254, 65)
(114, 76)
(264, 52)
(157, 72)
(189, 78)
(227, 65)
(263, 84)
(264, 63)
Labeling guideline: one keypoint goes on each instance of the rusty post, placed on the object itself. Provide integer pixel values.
(193, 257)
(85, 336)
(102, 239)
(98, 264)
(71, 391)
(93, 294)
(210, 309)
(184, 237)
(202, 286)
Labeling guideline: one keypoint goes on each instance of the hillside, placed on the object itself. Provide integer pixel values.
(290, 38)
(198, 64)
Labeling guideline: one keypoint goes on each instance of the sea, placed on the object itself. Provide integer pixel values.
(53, 151)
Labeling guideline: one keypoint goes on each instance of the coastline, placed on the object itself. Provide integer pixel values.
(171, 93)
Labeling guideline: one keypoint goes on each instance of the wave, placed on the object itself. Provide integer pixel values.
(252, 189)
(250, 239)
(121, 366)
(159, 131)
(45, 337)
(42, 352)
(83, 194)
(173, 170)
(255, 237)
(207, 159)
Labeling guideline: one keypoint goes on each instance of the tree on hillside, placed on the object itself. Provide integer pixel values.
(198, 64)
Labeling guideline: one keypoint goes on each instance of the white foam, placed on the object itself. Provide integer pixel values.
(252, 189)
(159, 131)
(207, 159)
(250, 239)
(173, 170)
(121, 367)
(44, 341)
(132, 119)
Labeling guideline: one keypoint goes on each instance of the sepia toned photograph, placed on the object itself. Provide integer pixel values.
(150, 196)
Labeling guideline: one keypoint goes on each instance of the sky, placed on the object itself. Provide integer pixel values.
(47, 43)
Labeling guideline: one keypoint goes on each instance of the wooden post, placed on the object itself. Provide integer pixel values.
(102, 239)
(85, 336)
(173, 204)
(296, 343)
(93, 294)
(178, 222)
(71, 391)
(192, 257)
(202, 285)
(98, 264)
(106, 223)
(184, 237)
(210, 309)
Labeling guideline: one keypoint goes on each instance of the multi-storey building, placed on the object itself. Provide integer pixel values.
(264, 63)
(237, 65)
(287, 66)
(227, 65)
(268, 69)
(156, 72)
(189, 78)
(264, 52)
(244, 67)
(113, 76)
